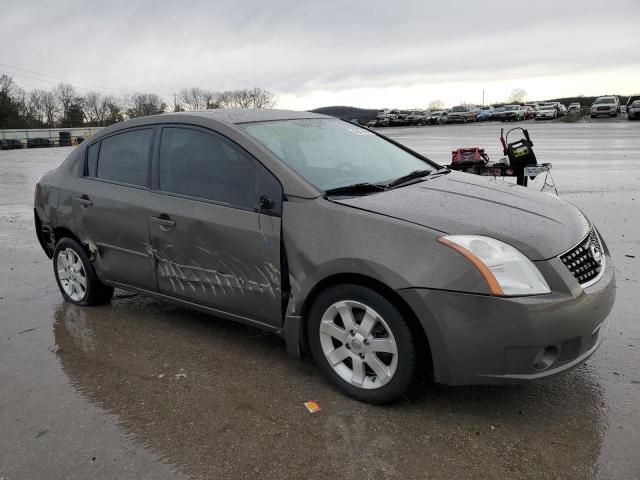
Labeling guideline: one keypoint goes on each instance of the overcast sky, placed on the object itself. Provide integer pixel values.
(317, 53)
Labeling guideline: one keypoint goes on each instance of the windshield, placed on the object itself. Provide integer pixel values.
(330, 153)
(512, 107)
(604, 100)
(636, 104)
(460, 108)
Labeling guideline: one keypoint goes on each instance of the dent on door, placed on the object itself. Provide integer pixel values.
(231, 262)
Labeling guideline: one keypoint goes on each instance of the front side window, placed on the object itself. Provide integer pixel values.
(202, 164)
(123, 157)
(330, 153)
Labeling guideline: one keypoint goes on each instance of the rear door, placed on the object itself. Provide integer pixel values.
(215, 229)
(112, 204)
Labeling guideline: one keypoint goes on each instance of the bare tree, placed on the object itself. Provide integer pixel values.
(37, 105)
(247, 98)
(8, 108)
(144, 104)
(436, 105)
(196, 98)
(49, 107)
(97, 107)
(66, 96)
(261, 98)
(517, 95)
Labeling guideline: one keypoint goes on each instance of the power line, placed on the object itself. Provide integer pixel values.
(87, 86)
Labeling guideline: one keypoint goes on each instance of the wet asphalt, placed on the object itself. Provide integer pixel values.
(142, 389)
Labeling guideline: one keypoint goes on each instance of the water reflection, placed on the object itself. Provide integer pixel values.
(222, 400)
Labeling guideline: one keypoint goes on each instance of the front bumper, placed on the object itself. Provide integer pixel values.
(479, 339)
(607, 113)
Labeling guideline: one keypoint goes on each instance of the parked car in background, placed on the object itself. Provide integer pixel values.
(547, 112)
(4, 145)
(608, 106)
(574, 107)
(252, 216)
(485, 113)
(630, 100)
(633, 111)
(398, 120)
(497, 113)
(463, 114)
(529, 112)
(380, 121)
(562, 109)
(415, 117)
(512, 113)
(439, 117)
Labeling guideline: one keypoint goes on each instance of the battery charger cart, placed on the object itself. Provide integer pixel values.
(520, 154)
(520, 161)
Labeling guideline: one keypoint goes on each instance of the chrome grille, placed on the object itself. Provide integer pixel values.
(586, 260)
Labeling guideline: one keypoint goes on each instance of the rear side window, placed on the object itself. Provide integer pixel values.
(92, 159)
(124, 157)
(205, 165)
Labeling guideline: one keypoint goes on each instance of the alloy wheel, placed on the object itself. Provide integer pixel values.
(71, 274)
(358, 344)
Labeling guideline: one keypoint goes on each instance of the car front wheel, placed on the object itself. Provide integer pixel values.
(75, 275)
(361, 343)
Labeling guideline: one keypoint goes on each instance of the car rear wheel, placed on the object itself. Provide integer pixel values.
(75, 275)
(361, 343)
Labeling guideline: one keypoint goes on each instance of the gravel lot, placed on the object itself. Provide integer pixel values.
(141, 389)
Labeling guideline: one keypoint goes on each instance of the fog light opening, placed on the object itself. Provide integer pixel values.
(545, 358)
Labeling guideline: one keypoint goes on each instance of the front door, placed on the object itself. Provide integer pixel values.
(215, 233)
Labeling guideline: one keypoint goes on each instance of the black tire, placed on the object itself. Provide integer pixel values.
(96, 292)
(403, 377)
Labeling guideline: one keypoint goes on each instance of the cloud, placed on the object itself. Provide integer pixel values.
(300, 48)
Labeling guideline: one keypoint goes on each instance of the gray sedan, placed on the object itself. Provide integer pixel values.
(375, 260)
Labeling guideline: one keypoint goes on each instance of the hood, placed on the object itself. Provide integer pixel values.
(538, 224)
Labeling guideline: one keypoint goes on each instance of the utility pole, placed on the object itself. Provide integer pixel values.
(483, 97)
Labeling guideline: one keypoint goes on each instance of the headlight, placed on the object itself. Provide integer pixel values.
(506, 270)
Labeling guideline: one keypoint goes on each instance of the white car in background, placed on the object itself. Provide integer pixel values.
(608, 106)
(574, 107)
(547, 112)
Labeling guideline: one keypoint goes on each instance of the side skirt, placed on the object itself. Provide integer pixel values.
(211, 311)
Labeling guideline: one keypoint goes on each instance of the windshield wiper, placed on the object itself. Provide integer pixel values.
(408, 177)
(355, 188)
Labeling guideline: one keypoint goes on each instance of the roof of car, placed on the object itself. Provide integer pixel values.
(246, 115)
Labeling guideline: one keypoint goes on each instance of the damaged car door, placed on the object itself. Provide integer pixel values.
(111, 205)
(215, 232)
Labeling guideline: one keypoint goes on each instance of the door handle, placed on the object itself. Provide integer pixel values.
(163, 220)
(83, 200)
